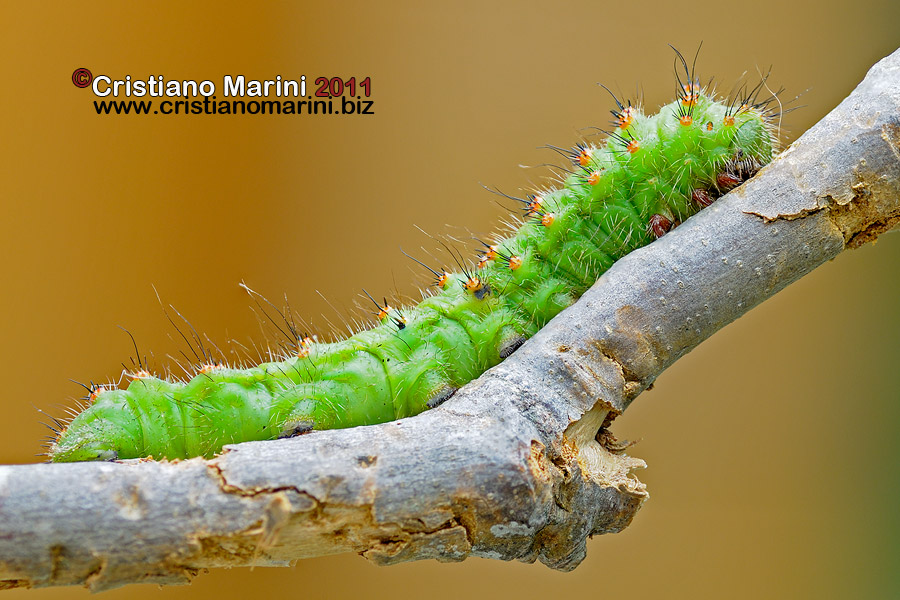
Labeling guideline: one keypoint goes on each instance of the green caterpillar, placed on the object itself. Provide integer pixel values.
(649, 175)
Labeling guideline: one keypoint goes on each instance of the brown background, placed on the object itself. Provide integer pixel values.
(772, 448)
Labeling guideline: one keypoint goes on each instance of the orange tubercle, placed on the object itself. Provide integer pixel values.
(304, 346)
(584, 157)
(96, 391)
(625, 118)
(691, 94)
(594, 177)
(473, 284)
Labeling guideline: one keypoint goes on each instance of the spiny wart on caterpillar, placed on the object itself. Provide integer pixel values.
(650, 174)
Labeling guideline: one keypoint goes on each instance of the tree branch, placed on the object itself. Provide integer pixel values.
(513, 466)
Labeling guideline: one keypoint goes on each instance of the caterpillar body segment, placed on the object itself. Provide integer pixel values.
(651, 174)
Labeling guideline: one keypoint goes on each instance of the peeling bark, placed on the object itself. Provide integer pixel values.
(519, 463)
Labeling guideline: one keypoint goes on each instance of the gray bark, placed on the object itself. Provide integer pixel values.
(512, 467)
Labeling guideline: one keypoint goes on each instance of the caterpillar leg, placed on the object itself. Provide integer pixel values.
(441, 397)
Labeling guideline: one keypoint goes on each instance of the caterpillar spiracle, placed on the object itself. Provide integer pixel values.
(650, 174)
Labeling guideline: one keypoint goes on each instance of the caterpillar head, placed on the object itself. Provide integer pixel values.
(102, 432)
(81, 446)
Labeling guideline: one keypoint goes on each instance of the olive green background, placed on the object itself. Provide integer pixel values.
(772, 447)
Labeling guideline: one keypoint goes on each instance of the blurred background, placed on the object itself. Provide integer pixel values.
(772, 448)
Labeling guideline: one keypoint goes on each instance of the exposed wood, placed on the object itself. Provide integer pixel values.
(510, 467)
